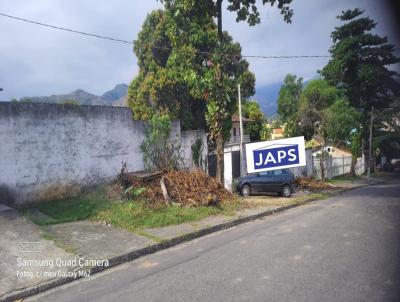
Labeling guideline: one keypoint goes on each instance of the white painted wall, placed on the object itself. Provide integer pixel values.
(50, 150)
(228, 170)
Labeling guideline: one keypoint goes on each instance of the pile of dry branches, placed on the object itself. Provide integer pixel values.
(188, 188)
(195, 188)
(311, 184)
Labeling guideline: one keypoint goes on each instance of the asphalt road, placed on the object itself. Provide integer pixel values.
(345, 248)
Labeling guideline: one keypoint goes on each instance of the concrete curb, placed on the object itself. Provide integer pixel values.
(130, 256)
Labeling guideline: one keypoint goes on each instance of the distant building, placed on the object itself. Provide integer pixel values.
(278, 133)
(235, 131)
(333, 151)
(232, 158)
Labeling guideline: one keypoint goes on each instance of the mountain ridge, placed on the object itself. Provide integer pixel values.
(114, 97)
(266, 96)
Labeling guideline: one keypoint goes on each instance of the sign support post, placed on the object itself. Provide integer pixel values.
(241, 133)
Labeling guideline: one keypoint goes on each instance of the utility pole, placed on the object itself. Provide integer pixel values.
(370, 144)
(241, 133)
(370, 137)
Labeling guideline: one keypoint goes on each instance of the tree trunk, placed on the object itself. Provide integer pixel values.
(220, 158)
(219, 10)
(353, 165)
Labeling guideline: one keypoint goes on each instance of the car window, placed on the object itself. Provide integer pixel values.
(278, 172)
(266, 173)
(287, 172)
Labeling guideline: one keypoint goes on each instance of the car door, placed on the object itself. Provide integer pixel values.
(277, 180)
(264, 181)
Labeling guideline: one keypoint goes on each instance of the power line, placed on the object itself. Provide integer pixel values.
(67, 29)
(157, 47)
(286, 57)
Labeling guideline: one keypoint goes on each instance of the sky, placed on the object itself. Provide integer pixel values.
(38, 61)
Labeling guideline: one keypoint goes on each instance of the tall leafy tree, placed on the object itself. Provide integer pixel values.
(340, 119)
(289, 96)
(317, 96)
(161, 86)
(246, 10)
(172, 70)
(266, 132)
(360, 65)
(355, 147)
(216, 83)
(288, 103)
(252, 110)
(315, 100)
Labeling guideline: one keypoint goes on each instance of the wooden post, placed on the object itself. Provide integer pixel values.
(164, 191)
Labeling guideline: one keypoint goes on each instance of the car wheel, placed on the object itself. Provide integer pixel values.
(246, 190)
(286, 191)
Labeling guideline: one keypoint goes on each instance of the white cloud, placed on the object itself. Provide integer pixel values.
(41, 61)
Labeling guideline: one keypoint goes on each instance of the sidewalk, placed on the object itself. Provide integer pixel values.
(107, 245)
(22, 240)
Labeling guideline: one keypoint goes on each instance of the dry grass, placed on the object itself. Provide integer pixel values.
(270, 200)
(311, 184)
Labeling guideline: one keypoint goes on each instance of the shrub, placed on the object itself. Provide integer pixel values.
(159, 153)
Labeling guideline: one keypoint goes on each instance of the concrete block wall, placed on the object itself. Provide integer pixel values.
(49, 150)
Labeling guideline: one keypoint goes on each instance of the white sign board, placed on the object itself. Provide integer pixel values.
(276, 154)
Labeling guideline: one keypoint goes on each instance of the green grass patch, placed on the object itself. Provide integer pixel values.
(131, 215)
(343, 178)
(69, 209)
(47, 237)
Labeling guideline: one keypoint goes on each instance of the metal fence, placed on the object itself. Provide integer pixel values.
(336, 166)
(234, 140)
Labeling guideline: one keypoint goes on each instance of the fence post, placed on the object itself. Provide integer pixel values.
(343, 163)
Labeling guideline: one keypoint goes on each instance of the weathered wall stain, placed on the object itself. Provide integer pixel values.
(47, 148)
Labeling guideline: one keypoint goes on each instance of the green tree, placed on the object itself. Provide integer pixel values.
(340, 119)
(266, 132)
(246, 10)
(71, 102)
(386, 133)
(355, 147)
(360, 66)
(252, 110)
(276, 123)
(288, 104)
(158, 150)
(289, 96)
(317, 96)
(160, 86)
(215, 82)
(173, 69)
